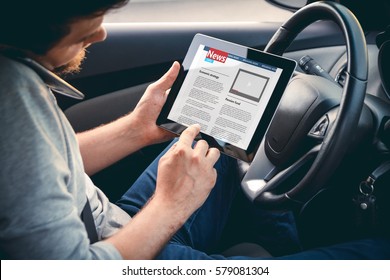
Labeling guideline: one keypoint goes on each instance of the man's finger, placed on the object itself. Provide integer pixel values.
(213, 155)
(166, 81)
(188, 135)
(201, 147)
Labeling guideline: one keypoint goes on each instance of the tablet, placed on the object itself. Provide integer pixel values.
(232, 91)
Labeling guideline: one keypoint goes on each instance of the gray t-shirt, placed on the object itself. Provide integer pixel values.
(43, 187)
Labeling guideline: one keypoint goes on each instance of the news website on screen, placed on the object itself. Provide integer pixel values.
(226, 94)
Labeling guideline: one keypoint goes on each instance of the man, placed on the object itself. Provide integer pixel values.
(43, 185)
(176, 210)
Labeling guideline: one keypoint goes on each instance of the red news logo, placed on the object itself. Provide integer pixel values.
(217, 55)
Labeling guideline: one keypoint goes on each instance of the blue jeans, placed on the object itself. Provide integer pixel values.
(200, 235)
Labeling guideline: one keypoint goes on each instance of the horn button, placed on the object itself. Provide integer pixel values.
(300, 108)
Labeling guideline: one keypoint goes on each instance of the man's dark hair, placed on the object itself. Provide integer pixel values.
(37, 25)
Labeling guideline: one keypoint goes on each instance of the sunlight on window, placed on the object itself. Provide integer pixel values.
(199, 11)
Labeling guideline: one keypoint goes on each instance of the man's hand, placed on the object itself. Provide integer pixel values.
(185, 178)
(186, 175)
(105, 145)
(149, 107)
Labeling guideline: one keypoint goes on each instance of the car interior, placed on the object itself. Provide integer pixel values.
(330, 162)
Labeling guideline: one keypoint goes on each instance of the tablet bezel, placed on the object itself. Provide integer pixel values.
(287, 65)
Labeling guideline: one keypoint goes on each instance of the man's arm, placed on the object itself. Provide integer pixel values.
(105, 145)
(185, 178)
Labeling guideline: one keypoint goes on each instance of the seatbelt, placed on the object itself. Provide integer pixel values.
(87, 218)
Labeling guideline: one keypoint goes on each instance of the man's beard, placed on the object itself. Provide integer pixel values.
(72, 67)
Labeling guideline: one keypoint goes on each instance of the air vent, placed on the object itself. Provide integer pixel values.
(341, 76)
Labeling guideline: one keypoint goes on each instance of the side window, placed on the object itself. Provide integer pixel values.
(200, 11)
(290, 4)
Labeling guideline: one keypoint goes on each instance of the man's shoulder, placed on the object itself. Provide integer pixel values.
(15, 73)
(26, 106)
(20, 84)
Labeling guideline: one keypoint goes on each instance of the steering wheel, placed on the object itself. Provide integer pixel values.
(314, 112)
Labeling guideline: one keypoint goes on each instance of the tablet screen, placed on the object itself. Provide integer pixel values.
(230, 90)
